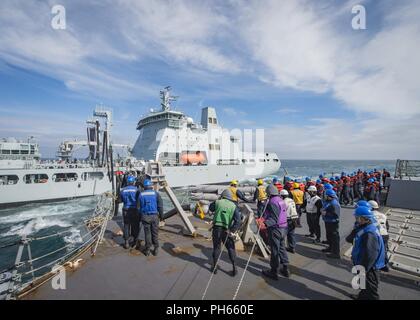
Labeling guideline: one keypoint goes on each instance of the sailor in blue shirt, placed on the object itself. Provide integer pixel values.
(151, 211)
(368, 251)
(131, 218)
(331, 216)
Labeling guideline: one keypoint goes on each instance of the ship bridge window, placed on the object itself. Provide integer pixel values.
(262, 160)
(9, 179)
(15, 151)
(35, 178)
(5, 151)
(65, 177)
(276, 160)
(88, 176)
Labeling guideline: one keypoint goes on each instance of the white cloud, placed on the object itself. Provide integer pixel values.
(300, 45)
(287, 110)
(379, 138)
(234, 112)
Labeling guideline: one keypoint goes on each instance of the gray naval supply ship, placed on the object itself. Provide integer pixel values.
(190, 154)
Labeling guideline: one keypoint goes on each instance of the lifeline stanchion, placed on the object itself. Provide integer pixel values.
(250, 256)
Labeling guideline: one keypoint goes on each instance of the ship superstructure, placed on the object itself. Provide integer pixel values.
(205, 152)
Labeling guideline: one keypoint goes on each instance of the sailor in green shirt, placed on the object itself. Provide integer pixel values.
(226, 221)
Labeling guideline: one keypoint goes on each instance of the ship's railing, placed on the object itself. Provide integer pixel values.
(25, 275)
(407, 169)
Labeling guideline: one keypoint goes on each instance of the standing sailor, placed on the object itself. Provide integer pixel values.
(236, 193)
(298, 196)
(331, 216)
(131, 219)
(275, 217)
(260, 196)
(292, 217)
(226, 221)
(368, 252)
(383, 225)
(313, 213)
(151, 211)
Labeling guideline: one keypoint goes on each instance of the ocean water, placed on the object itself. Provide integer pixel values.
(43, 219)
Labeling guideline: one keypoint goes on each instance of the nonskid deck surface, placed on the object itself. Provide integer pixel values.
(181, 271)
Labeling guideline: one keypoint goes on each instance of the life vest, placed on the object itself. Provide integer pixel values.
(233, 191)
(282, 218)
(332, 211)
(279, 186)
(128, 196)
(290, 209)
(148, 202)
(262, 195)
(297, 196)
(310, 204)
(223, 215)
(357, 247)
(381, 222)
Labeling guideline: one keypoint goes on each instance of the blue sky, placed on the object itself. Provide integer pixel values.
(320, 89)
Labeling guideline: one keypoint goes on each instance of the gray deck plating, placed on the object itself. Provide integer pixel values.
(181, 271)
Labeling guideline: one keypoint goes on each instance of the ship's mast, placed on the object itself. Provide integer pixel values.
(166, 98)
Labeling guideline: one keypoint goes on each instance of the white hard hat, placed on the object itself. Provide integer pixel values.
(284, 193)
(312, 188)
(373, 204)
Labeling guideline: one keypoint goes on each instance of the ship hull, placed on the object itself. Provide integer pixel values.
(176, 176)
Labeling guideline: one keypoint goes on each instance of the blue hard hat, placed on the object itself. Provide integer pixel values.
(332, 178)
(363, 203)
(308, 179)
(321, 176)
(275, 180)
(131, 179)
(351, 174)
(363, 212)
(318, 181)
(337, 178)
(343, 173)
(287, 178)
(371, 180)
(330, 193)
(147, 183)
(328, 186)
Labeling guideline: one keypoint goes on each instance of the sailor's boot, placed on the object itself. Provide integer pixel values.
(270, 274)
(234, 271)
(285, 271)
(155, 251)
(126, 244)
(146, 252)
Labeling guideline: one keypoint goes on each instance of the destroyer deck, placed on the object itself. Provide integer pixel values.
(181, 271)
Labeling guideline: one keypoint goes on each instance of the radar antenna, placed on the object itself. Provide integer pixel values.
(166, 98)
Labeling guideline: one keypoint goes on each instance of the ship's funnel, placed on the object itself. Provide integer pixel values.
(209, 117)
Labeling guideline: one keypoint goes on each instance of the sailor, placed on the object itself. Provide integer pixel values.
(260, 196)
(368, 252)
(277, 184)
(275, 217)
(313, 213)
(369, 192)
(292, 217)
(298, 199)
(151, 211)
(236, 193)
(320, 188)
(226, 222)
(131, 219)
(331, 216)
(383, 225)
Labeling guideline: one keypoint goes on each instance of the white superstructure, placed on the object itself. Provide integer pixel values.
(197, 153)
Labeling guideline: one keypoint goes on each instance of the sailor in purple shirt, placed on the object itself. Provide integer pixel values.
(275, 216)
